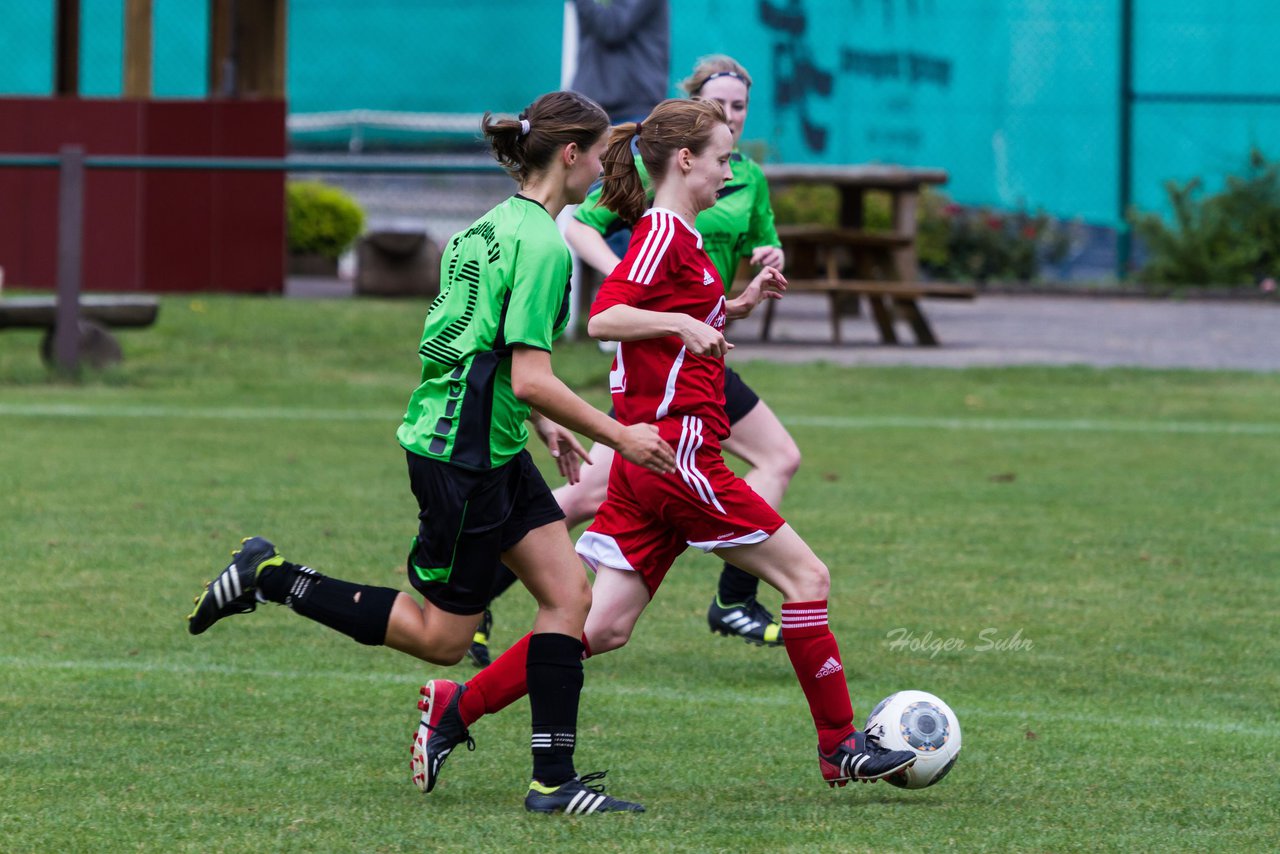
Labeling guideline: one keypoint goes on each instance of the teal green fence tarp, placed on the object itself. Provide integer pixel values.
(1018, 99)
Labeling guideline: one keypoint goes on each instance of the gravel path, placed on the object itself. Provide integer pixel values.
(1036, 330)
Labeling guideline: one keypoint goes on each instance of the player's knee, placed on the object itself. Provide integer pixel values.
(782, 463)
(446, 655)
(569, 602)
(787, 461)
(605, 638)
(815, 580)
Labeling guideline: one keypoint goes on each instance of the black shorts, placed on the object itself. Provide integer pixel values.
(739, 399)
(467, 520)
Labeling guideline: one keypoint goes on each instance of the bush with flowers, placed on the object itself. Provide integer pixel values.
(983, 244)
(952, 241)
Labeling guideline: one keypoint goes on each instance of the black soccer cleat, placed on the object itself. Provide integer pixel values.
(860, 757)
(478, 652)
(575, 798)
(748, 620)
(439, 732)
(234, 591)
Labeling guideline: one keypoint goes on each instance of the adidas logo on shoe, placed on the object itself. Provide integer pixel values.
(829, 667)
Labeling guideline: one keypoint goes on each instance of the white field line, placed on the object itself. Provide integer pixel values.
(1031, 425)
(266, 413)
(846, 422)
(728, 696)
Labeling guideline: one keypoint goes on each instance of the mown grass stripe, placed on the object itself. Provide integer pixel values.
(835, 422)
(669, 693)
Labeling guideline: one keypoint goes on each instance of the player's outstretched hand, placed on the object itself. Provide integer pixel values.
(642, 445)
(769, 283)
(565, 448)
(767, 256)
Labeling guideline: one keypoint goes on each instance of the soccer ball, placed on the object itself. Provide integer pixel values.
(922, 723)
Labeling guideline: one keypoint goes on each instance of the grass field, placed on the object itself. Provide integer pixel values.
(1083, 563)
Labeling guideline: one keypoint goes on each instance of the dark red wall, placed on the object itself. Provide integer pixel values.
(148, 230)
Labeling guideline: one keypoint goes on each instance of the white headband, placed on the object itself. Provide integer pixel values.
(524, 127)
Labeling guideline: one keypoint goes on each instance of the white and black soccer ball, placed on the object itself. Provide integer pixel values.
(920, 722)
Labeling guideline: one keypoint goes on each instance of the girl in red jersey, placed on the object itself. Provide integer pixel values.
(738, 227)
(665, 304)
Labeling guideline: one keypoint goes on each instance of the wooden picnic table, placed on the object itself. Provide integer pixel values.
(849, 262)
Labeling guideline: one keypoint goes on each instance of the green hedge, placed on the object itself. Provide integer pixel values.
(322, 220)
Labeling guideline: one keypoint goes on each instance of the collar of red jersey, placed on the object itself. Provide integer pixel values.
(696, 233)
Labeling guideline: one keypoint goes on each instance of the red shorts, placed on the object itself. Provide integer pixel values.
(650, 518)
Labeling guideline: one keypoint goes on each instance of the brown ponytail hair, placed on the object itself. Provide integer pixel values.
(674, 124)
(715, 65)
(527, 144)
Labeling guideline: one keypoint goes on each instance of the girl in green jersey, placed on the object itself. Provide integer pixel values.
(486, 368)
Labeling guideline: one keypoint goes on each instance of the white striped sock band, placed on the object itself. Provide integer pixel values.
(553, 741)
(301, 585)
(803, 618)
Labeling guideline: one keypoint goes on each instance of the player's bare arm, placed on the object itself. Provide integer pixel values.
(590, 246)
(628, 323)
(533, 381)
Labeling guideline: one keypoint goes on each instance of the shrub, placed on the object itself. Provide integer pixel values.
(321, 220)
(951, 241)
(1230, 238)
(816, 204)
(982, 244)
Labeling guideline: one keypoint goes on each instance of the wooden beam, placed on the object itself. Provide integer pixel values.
(279, 49)
(221, 58)
(247, 48)
(138, 17)
(66, 73)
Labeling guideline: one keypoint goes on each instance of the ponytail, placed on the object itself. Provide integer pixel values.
(623, 192)
(527, 144)
(674, 124)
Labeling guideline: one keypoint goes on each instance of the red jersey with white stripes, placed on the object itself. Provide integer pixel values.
(656, 379)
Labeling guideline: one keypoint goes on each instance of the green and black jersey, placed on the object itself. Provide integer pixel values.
(739, 221)
(504, 281)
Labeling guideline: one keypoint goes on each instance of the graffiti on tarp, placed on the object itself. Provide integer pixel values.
(796, 76)
(800, 79)
(904, 65)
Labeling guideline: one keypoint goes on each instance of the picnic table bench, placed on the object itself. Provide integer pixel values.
(852, 264)
(888, 301)
(97, 312)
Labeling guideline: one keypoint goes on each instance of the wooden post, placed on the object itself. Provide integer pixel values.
(70, 256)
(904, 222)
(247, 48)
(137, 48)
(66, 72)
